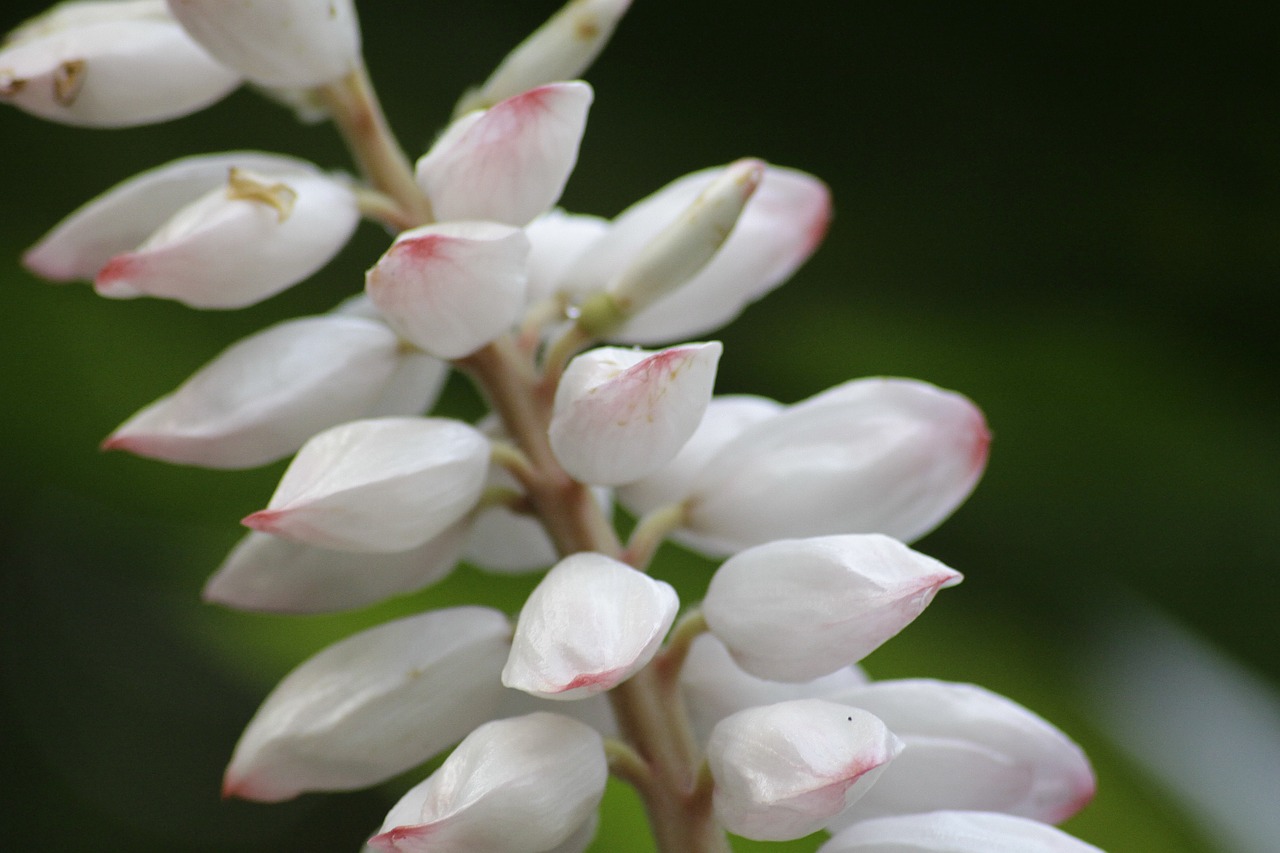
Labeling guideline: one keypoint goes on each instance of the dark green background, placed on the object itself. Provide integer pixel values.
(1068, 211)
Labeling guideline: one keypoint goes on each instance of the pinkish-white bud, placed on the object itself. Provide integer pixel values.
(968, 748)
(520, 785)
(260, 399)
(954, 832)
(379, 485)
(892, 456)
(373, 705)
(620, 414)
(451, 288)
(561, 49)
(268, 574)
(796, 609)
(109, 64)
(591, 624)
(286, 43)
(508, 163)
(782, 771)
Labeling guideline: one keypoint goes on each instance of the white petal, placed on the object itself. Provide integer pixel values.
(621, 414)
(264, 396)
(511, 162)
(556, 239)
(380, 485)
(418, 379)
(784, 770)
(795, 609)
(373, 705)
(595, 710)
(591, 624)
(290, 43)
(970, 749)
(954, 832)
(269, 574)
(521, 785)
(109, 65)
(227, 251)
(452, 288)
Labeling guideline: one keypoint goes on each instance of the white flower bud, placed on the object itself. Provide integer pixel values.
(561, 49)
(286, 43)
(508, 163)
(968, 748)
(556, 240)
(521, 785)
(784, 770)
(954, 832)
(109, 64)
(451, 288)
(380, 485)
(620, 414)
(795, 609)
(418, 379)
(591, 624)
(373, 705)
(261, 398)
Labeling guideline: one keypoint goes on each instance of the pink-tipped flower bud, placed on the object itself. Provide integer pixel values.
(954, 832)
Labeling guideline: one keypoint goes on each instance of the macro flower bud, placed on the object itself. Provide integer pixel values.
(954, 832)
(109, 64)
(284, 43)
(520, 785)
(561, 49)
(782, 771)
(591, 624)
(373, 705)
(968, 748)
(510, 162)
(796, 609)
(619, 414)
(379, 485)
(451, 288)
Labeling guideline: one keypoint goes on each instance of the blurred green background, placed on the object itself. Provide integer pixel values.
(1068, 211)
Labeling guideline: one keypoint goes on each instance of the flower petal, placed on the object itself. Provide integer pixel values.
(556, 239)
(954, 832)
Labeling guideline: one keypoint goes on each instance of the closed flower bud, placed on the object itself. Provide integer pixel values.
(379, 485)
(521, 785)
(263, 397)
(591, 623)
(954, 832)
(373, 705)
(620, 414)
(968, 748)
(285, 43)
(451, 288)
(561, 49)
(508, 163)
(784, 770)
(109, 64)
(796, 609)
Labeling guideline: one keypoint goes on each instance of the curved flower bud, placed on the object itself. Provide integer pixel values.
(264, 396)
(784, 770)
(521, 785)
(451, 288)
(795, 609)
(591, 624)
(954, 832)
(373, 705)
(968, 748)
(715, 687)
(109, 64)
(380, 485)
(268, 574)
(891, 456)
(285, 43)
(561, 49)
(620, 414)
(508, 163)
(239, 244)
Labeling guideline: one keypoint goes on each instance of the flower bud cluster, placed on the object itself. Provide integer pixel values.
(749, 714)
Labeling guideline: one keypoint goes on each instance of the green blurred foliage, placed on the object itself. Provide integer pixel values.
(1067, 211)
